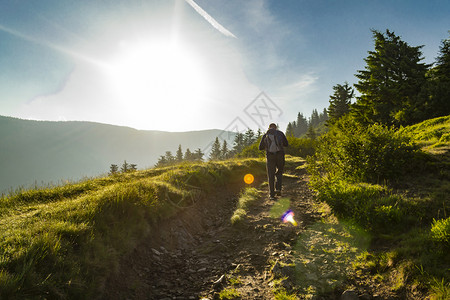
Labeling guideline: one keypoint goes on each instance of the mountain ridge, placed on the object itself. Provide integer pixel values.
(38, 152)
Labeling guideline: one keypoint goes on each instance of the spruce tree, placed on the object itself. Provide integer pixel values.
(188, 155)
(238, 143)
(124, 167)
(391, 82)
(340, 102)
(301, 125)
(437, 100)
(113, 169)
(161, 161)
(249, 137)
(289, 130)
(224, 151)
(198, 155)
(179, 154)
(169, 157)
(215, 150)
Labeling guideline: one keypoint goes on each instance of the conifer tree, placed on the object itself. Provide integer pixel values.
(315, 119)
(188, 155)
(198, 155)
(161, 161)
(391, 82)
(179, 154)
(289, 130)
(311, 133)
(224, 151)
(340, 102)
(124, 168)
(215, 150)
(301, 126)
(169, 157)
(437, 100)
(238, 143)
(113, 169)
(259, 134)
(249, 137)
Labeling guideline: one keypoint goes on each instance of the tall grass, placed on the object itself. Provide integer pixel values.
(63, 242)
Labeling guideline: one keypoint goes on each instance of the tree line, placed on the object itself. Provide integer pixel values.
(395, 88)
(125, 168)
(303, 126)
(218, 151)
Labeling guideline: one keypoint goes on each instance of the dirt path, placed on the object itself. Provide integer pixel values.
(199, 253)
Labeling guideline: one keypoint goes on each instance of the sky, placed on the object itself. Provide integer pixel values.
(183, 65)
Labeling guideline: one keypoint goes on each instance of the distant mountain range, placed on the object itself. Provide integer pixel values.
(40, 152)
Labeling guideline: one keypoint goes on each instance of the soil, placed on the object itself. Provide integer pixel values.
(199, 253)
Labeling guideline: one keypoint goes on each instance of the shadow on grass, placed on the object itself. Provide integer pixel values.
(324, 255)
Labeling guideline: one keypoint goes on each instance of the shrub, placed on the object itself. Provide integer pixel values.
(372, 154)
(440, 231)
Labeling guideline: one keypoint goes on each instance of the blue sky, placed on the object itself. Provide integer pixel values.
(164, 65)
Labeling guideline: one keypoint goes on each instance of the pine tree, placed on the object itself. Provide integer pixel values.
(249, 137)
(391, 82)
(198, 155)
(238, 143)
(311, 133)
(113, 169)
(314, 120)
(340, 102)
(215, 150)
(132, 168)
(301, 125)
(169, 157)
(224, 151)
(124, 168)
(179, 154)
(259, 134)
(289, 130)
(188, 155)
(437, 100)
(161, 161)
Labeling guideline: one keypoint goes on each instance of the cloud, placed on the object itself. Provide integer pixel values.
(210, 19)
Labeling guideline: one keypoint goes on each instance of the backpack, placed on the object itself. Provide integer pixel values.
(272, 143)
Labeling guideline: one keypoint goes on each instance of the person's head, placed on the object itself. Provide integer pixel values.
(273, 126)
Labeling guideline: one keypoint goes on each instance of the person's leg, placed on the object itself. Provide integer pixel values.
(280, 161)
(271, 167)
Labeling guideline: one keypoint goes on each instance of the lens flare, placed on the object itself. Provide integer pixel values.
(248, 178)
(288, 216)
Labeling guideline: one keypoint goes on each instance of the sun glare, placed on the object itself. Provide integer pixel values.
(157, 77)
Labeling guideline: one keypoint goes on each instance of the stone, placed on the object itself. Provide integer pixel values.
(156, 252)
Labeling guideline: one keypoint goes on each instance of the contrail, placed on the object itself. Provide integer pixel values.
(51, 46)
(210, 19)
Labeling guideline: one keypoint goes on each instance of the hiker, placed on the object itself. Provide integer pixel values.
(274, 141)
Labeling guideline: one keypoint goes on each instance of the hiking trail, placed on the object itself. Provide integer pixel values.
(199, 252)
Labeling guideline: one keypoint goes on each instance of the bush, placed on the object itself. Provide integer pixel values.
(371, 154)
(440, 231)
(302, 147)
(371, 206)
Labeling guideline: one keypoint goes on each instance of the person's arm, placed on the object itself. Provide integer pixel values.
(262, 143)
(284, 139)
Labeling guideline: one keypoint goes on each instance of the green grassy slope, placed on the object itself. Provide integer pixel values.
(408, 217)
(61, 242)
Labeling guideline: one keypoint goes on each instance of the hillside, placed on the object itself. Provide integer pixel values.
(197, 231)
(41, 151)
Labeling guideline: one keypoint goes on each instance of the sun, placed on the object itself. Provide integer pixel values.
(155, 76)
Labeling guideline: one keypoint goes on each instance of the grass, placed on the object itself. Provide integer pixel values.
(62, 242)
(406, 218)
(248, 196)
